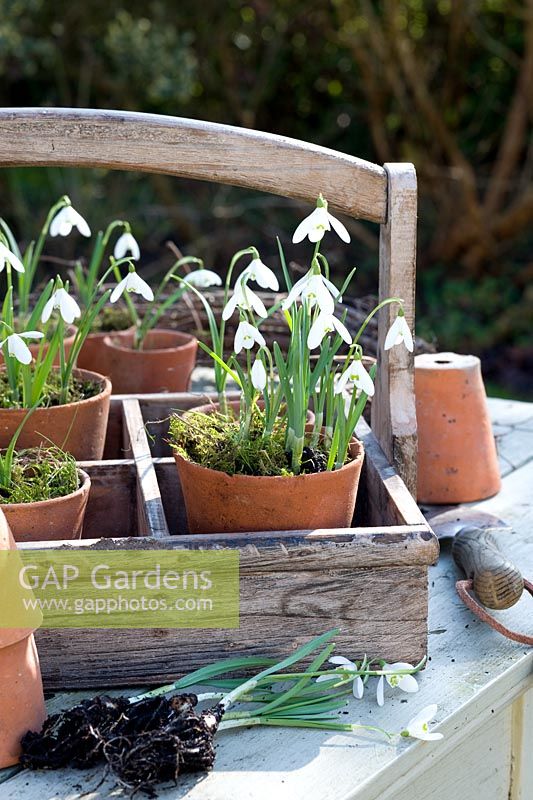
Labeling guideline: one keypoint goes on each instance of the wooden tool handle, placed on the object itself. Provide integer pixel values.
(497, 583)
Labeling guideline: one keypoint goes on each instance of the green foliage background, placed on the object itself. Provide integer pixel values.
(446, 84)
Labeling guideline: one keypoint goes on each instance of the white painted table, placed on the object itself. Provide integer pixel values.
(483, 685)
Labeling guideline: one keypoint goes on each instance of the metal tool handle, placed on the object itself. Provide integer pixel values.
(497, 583)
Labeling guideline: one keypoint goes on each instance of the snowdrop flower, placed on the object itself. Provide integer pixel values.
(317, 223)
(324, 324)
(203, 278)
(67, 306)
(315, 288)
(407, 683)
(17, 347)
(417, 728)
(258, 374)
(246, 336)
(243, 297)
(399, 332)
(358, 686)
(261, 274)
(127, 243)
(356, 374)
(131, 283)
(11, 258)
(65, 220)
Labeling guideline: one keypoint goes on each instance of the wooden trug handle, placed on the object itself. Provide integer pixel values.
(497, 583)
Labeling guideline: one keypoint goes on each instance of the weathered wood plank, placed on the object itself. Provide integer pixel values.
(393, 407)
(318, 549)
(191, 149)
(151, 516)
(152, 656)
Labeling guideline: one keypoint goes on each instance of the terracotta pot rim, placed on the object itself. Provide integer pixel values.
(103, 334)
(37, 504)
(353, 464)
(102, 380)
(187, 341)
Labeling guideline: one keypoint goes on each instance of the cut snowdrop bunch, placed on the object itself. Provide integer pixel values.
(161, 300)
(61, 220)
(281, 695)
(312, 373)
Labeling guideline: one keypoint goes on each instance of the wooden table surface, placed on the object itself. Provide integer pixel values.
(482, 683)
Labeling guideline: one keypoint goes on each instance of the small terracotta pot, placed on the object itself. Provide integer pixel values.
(211, 408)
(93, 354)
(50, 520)
(457, 459)
(21, 689)
(164, 364)
(79, 428)
(220, 503)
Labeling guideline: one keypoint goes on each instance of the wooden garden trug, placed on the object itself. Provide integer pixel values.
(369, 580)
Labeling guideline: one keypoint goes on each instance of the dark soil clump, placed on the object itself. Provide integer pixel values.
(142, 744)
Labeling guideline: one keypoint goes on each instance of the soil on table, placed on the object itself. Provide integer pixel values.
(141, 744)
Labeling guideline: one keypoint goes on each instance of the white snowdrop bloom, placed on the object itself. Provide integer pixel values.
(315, 288)
(358, 686)
(418, 727)
(17, 347)
(244, 297)
(246, 336)
(64, 303)
(66, 219)
(203, 278)
(127, 243)
(261, 274)
(407, 683)
(317, 223)
(399, 332)
(356, 374)
(324, 324)
(6, 256)
(131, 283)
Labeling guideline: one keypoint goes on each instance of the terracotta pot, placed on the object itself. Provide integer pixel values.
(164, 364)
(220, 503)
(50, 520)
(211, 408)
(79, 428)
(457, 459)
(21, 689)
(34, 348)
(93, 354)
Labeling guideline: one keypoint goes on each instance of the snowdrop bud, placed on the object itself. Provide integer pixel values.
(259, 376)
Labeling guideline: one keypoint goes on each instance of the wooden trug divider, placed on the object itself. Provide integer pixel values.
(369, 580)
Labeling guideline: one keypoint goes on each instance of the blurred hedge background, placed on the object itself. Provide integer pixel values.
(447, 84)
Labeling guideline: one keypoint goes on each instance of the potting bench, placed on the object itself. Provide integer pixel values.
(482, 683)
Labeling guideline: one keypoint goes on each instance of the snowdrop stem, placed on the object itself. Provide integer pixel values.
(325, 725)
(128, 300)
(26, 282)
